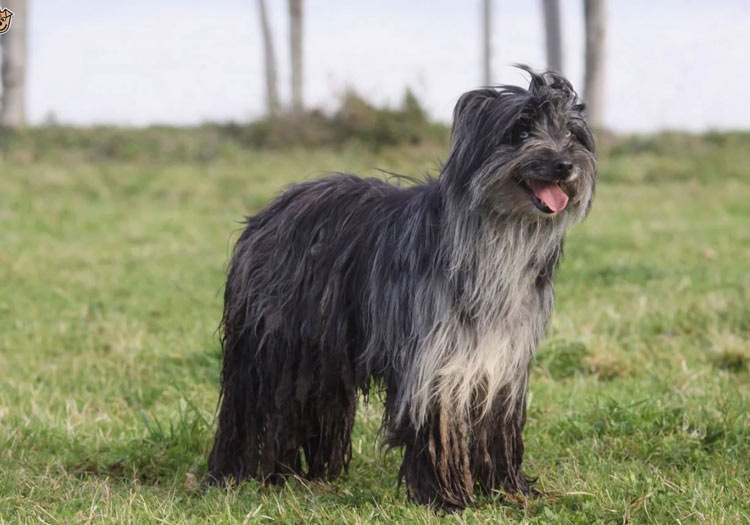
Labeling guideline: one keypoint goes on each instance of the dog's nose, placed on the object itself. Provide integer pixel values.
(562, 169)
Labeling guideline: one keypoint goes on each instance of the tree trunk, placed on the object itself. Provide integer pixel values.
(595, 14)
(13, 112)
(487, 42)
(272, 93)
(295, 34)
(553, 34)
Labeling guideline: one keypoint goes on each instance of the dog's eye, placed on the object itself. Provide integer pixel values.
(524, 135)
(568, 134)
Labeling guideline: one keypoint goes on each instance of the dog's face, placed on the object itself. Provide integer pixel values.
(5, 15)
(525, 152)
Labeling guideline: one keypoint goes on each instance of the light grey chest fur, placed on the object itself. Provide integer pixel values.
(469, 365)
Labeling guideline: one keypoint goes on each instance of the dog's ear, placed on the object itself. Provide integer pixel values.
(469, 136)
(482, 120)
(469, 106)
(483, 116)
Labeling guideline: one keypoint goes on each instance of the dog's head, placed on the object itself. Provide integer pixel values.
(5, 16)
(524, 152)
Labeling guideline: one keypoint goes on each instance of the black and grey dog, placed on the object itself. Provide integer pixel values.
(440, 292)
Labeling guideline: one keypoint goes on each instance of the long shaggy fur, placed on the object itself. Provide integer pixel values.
(440, 292)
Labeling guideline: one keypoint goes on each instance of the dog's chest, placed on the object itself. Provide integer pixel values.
(517, 316)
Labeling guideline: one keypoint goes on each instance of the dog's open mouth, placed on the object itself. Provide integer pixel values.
(546, 196)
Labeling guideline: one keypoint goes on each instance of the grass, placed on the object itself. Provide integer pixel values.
(111, 274)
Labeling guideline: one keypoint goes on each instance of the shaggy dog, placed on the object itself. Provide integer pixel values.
(439, 292)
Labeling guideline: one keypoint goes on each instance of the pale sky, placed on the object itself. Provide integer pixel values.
(676, 64)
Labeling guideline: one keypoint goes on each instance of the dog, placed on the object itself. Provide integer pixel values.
(437, 292)
(5, 16)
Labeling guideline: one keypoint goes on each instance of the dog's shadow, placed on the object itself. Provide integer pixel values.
(171, 455)
(165, 451)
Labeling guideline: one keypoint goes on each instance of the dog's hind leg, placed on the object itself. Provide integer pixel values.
(258, 433)
(235, 451)
(497, 449)
(328, 447)
(328, 419)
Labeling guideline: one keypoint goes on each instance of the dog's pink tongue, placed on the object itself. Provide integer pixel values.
(550, 194)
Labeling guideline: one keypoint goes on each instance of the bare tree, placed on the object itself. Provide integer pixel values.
(269, 56)
(295, 36)
(553, 34)
(595, 14)
(487, 42)
(13, 111)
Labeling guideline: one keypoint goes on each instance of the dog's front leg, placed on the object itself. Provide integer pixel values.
(436, 465)
(497, 449)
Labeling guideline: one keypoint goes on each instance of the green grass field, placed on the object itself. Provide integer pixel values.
(111, 275)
